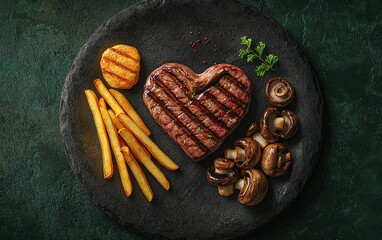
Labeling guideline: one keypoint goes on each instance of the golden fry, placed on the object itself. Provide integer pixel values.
(113, 136)
(158, 154)
(101, 88)
(137, 150)
(102, 103)
(129, 110)
(119, 125)
(107, 159)
(138, 174)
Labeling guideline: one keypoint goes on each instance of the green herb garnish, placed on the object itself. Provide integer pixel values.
(229, 119)
(209, 105)
(189, 103)
(266, 64)
(209, 136)
(177, 70)
(229, 84)
(199, 129)
(184, 141)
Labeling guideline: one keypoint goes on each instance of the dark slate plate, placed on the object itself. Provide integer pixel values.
(192, 209)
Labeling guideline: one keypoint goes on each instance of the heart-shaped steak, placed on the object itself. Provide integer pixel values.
(198, 111)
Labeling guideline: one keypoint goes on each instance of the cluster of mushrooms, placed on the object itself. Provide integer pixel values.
(237, 168)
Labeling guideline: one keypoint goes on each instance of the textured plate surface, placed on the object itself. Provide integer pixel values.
(192, 209)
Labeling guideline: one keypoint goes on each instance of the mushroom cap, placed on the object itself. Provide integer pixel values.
(279, 92)
(291, 124)
(222, 179)
(254, 189)
(272, 156)
(223, 164)
(252, 129)
(252, 152)
(266, 129)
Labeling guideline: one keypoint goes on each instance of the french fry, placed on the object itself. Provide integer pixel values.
(155, 151)
(138, 173)
(137, 150)
(102, 103)
(129, 110)
(119, 125)
(101, 88)
(107, 159)
(113, 136)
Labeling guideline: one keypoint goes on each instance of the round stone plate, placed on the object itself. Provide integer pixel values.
(192, 208)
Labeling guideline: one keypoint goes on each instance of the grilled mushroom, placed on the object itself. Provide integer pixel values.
(224, 175)
(275, 124)
(279, 92)
(254, 132)
(246, 154)
(275, 161)
(253, 187)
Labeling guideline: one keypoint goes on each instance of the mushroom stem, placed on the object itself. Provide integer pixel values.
(283, 159)
(226, 191)
(280, 90)
(237, 154)
(239, 184)
(278, 123)
(260, 139)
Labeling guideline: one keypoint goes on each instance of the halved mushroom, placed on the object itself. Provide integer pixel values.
(246, 154)
(253, 187)
(254, 132)
(224, 175)
(275, 161)
(279, 92)
(275, 124)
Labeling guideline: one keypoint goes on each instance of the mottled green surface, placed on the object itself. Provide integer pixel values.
(40, 198)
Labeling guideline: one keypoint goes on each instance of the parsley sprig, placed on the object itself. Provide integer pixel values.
(266, 64)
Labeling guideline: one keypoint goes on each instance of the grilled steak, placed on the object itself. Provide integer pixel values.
(198, 111)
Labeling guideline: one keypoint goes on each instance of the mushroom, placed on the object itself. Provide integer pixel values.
(254, 132)
(246, 153)
(275, 124)
(279, 92)
(224, 175)
(275, 161)
(253, 187)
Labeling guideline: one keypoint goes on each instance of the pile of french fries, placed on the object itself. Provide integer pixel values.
(121, 130)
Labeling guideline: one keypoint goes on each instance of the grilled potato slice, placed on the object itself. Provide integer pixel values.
(120, 66)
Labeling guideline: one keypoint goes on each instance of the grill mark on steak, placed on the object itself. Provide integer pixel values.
(183, 108)
(225, 109)
(230, 96)
(234, 88)
(188, 106)
(201, 106)
(118, 64)
(178, 122)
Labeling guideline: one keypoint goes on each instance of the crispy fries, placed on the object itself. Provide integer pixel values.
(128, 137)
(102, 103)
(138, 174)
(158, 154)
(119, 125)
(101, 88)
(122, 168)
(137, 150)
(107, 160)
(129, 110)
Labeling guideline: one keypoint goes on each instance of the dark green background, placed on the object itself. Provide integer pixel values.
(41, 199)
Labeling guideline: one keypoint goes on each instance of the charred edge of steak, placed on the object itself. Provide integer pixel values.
(195, 145)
